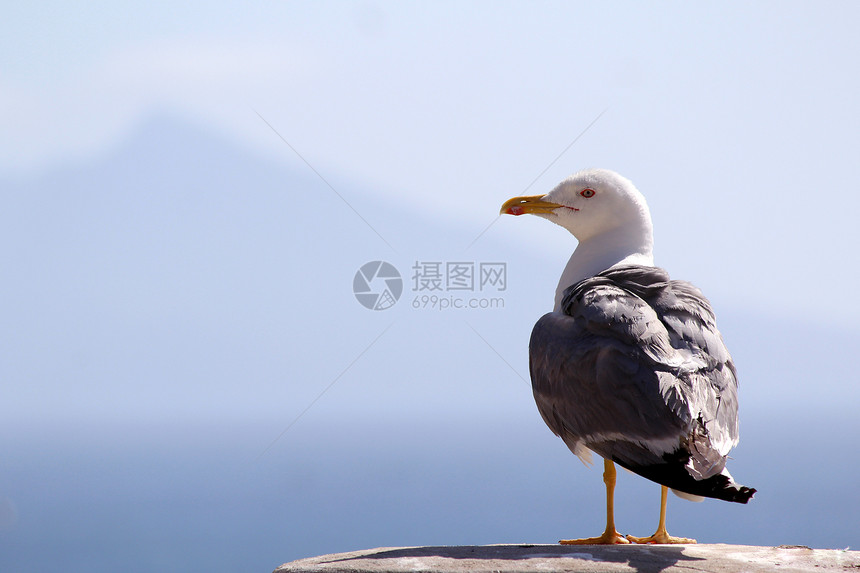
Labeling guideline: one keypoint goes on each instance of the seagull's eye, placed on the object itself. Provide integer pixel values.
(587, 193)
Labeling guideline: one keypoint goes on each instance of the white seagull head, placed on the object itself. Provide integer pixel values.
(590, 203)
(605, 212)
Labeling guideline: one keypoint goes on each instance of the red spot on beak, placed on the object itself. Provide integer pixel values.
(516, 210)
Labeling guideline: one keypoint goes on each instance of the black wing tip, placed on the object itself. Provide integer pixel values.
(744, 494)
(727, 490)
(717, 487)
(675, 476)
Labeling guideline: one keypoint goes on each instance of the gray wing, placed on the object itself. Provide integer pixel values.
(710, 391)
(635, 370)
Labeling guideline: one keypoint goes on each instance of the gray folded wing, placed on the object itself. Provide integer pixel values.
(635, 369)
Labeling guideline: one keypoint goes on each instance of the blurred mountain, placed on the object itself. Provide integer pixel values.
(183, 277)
(183, 304)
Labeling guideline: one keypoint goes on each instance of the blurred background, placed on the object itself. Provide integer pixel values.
(187, 191)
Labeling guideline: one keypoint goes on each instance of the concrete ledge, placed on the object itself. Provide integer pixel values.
(584, 558)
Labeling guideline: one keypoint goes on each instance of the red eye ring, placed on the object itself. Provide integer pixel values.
(587, 193)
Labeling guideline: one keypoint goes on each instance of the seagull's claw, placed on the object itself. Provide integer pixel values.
(607, 538)
(660, 537)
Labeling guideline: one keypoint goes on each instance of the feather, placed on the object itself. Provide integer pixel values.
(634, 368)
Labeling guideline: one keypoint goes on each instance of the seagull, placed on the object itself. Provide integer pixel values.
(629, 364)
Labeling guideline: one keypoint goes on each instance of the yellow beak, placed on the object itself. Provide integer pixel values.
(529, 204)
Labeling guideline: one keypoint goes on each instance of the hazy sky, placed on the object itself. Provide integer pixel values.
(171, 260)
(739, 123)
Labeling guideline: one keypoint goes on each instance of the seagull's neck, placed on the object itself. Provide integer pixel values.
(631, 246)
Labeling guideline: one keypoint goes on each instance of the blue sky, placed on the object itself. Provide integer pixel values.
(737, 122)
(173, 261)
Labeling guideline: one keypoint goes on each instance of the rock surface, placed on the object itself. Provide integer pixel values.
(583, 558)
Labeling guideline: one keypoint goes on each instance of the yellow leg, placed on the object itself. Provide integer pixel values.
(610, 536)
(661, 535)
